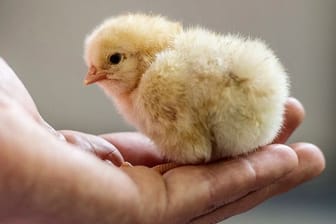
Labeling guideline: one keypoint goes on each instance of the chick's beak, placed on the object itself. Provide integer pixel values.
(93, 76)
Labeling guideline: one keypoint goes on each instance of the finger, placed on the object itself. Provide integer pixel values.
(135, 148)
(94, 144)
(200, 189)
(311, 164)
(294, 114)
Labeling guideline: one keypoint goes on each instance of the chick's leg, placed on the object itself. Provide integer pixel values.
(165, 167)
(126, 164)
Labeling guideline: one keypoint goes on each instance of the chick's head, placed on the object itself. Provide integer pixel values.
(120, 50)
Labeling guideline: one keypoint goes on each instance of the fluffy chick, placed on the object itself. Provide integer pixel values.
(198, 95)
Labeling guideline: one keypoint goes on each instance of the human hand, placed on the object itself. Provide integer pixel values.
(44, 180)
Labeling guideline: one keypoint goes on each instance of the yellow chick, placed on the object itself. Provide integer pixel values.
(196, 94)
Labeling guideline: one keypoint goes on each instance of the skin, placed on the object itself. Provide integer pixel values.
(46, 180)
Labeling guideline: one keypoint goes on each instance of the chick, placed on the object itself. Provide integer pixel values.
(196, 94)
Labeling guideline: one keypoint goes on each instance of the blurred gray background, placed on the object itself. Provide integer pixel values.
(43, 42)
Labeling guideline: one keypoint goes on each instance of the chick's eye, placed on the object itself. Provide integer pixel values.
(115, 58)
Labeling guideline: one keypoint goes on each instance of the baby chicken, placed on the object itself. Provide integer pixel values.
(196, 94)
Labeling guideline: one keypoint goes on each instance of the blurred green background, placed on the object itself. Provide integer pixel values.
(43, 42)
